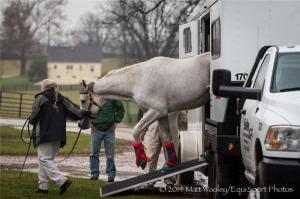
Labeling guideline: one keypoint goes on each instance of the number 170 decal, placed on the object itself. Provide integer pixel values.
(241, 76)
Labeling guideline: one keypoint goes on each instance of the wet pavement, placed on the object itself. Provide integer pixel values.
(122, 131)
(78, 165)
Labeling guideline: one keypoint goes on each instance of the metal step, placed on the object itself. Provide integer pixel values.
(135, 182)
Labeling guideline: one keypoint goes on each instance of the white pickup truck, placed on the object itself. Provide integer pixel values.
(270, 125)
(270, 121)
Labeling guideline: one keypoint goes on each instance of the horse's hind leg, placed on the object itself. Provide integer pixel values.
(148, 118)
(165, 129)
(173, 117)
(168, 143)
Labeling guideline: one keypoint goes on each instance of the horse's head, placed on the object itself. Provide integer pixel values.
(88, 100)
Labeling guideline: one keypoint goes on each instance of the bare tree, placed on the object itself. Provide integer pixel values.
(151, 27)
(28, 22)
(91, 31)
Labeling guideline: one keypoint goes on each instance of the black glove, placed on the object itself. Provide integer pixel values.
(86, 113)
(83, 123)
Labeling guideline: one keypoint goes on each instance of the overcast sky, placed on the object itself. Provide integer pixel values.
(73, 10)
(76, 8)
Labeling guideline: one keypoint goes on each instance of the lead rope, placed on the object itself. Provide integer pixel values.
(30, 141)
(24, 141)
(68, 155)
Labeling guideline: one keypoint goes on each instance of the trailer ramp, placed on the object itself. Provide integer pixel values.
(117, 187)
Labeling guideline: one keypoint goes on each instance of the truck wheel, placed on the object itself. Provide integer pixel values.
(186, 178)
(260, 182)
(244, 184)
(213, 176)
(223, 172)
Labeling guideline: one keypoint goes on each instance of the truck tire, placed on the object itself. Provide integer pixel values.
(223, 172)
(213, 176)
(260, 182)
(186, 178)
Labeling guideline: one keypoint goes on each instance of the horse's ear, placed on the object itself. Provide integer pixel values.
(91, 87)
(83, 87)
(84, 84)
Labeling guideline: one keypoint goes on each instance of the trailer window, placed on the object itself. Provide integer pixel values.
(187, 40)
(216, 39)
(204, 34)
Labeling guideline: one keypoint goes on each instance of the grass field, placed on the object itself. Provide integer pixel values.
(16, 83)
(11, 187)
(12, 144)
(10, 67)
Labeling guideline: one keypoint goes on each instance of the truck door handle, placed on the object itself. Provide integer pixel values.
(243, 112)
(257, 109)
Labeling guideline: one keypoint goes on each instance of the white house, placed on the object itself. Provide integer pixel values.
(69, 65)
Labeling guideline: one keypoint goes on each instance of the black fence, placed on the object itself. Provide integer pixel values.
(19, 105)
(27, 87)
(15, 104)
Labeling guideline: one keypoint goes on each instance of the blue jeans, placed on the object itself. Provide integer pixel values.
(108, 137)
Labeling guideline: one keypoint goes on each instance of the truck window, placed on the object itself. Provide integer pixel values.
(261, 76)
(286, 76)
(187, 40)
(216, 39)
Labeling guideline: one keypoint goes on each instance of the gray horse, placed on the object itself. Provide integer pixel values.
(159, 86)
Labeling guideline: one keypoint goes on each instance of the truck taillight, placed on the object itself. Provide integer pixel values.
(283, 138)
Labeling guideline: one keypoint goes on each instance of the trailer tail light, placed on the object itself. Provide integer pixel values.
(283, 138)
(230, 147)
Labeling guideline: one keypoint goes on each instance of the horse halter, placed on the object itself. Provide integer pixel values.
(92, 102)
(89, 92)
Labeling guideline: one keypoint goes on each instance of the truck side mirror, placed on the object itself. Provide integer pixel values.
(220, 77)
(221, 86)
